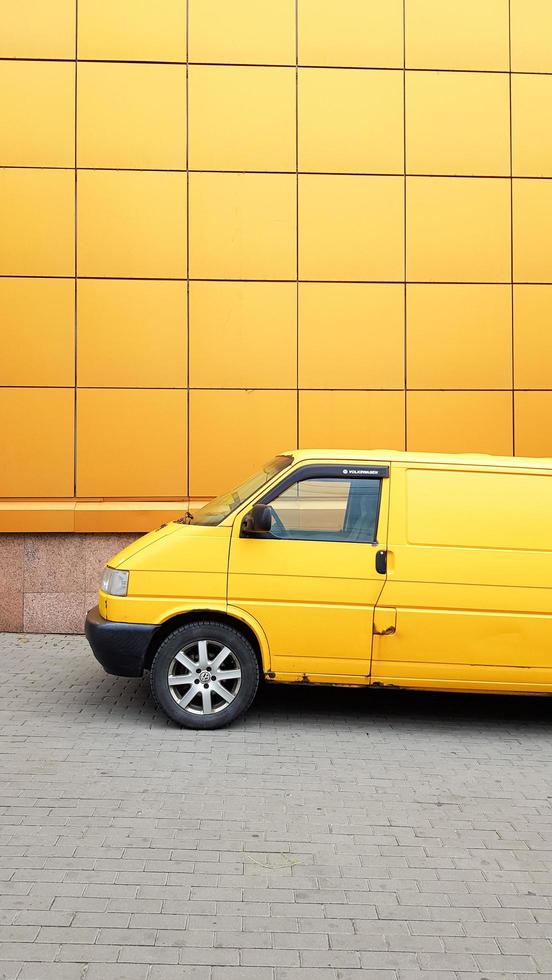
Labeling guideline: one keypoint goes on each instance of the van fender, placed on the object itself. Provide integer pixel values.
(155, 610)
(187, 608)
(237, 613)
(161, 613)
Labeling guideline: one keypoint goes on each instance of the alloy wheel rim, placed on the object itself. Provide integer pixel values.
(204, 677)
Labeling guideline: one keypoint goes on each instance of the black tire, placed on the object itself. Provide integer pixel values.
(183, 641)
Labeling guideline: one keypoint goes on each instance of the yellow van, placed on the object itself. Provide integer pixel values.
(334, 567)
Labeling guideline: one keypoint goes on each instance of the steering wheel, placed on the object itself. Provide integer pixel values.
(278, 525)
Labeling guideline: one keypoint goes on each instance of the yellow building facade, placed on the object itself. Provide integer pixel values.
(235, 226)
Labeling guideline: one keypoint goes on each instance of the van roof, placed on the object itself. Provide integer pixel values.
(396, 456)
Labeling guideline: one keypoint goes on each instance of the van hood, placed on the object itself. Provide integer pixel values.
(168, 547)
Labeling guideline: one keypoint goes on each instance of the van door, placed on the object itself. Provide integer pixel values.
(311, 582)
(469, 579)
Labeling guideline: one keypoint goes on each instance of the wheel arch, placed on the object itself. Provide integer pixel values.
(255, 636)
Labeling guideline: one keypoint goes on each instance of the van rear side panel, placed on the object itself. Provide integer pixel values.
(470, 576)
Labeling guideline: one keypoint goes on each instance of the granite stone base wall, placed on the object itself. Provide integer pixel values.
(49, 581)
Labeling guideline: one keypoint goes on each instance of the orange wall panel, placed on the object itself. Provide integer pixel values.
(132, 30)
(531, 134)
(35, 29)
(131, 115)
(460, 421)
(462, 34)
(242, 226)
(351, 419)
(351, 228)
(131, 443)
(458, 229)
(38, 332)
(131, 224)
(533, 337)
(457, 123)
(333, 137)
(531, 29)
(352, 33)
(37, 230)
(242, 32)
(36, 442)
(38, 113)
(242, 118)
(341, 341)
(219, 458)
(534, 423)
(532, 223)
(459, 336)
(244, 334)
(132, 333)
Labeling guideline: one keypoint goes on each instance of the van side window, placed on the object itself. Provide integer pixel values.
(327, 509)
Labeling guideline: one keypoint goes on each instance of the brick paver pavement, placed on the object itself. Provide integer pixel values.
(329, 835)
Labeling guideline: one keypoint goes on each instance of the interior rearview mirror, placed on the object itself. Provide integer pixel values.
(258, 520)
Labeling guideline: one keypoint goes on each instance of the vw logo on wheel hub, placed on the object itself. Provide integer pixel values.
(205, 676)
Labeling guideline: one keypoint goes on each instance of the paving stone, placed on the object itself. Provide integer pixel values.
(146, 954)
(242, 973)
(76, 953)
(51, 971)
(28, 951)
(270, 957)
(506, 963)
(116, 971)
(330, 958)
(328, 973)
(178, 973)
(11, 971)
(209, 956)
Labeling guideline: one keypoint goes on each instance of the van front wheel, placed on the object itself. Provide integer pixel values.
(204, 675)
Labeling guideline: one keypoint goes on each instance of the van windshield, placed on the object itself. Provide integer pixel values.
(216, 510)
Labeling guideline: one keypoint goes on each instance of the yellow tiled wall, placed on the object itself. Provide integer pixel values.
(230, 227)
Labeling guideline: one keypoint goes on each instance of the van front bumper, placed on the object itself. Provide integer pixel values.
(120, 648)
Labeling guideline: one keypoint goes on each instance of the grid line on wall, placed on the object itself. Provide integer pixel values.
(405, 271)
(343, 282)
(188, 430)
(288, 173)
(510, 135)
(293, 389)
(76, 313)
(297, 311)
(266, 64)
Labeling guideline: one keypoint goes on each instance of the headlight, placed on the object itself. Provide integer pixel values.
(114, 582)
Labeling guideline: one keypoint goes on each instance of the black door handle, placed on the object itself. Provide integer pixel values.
(381, 562)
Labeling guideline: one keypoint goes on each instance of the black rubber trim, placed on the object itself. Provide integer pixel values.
(119, 647)
(313, 470)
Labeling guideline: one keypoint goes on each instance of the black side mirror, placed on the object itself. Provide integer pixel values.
(257, 521)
